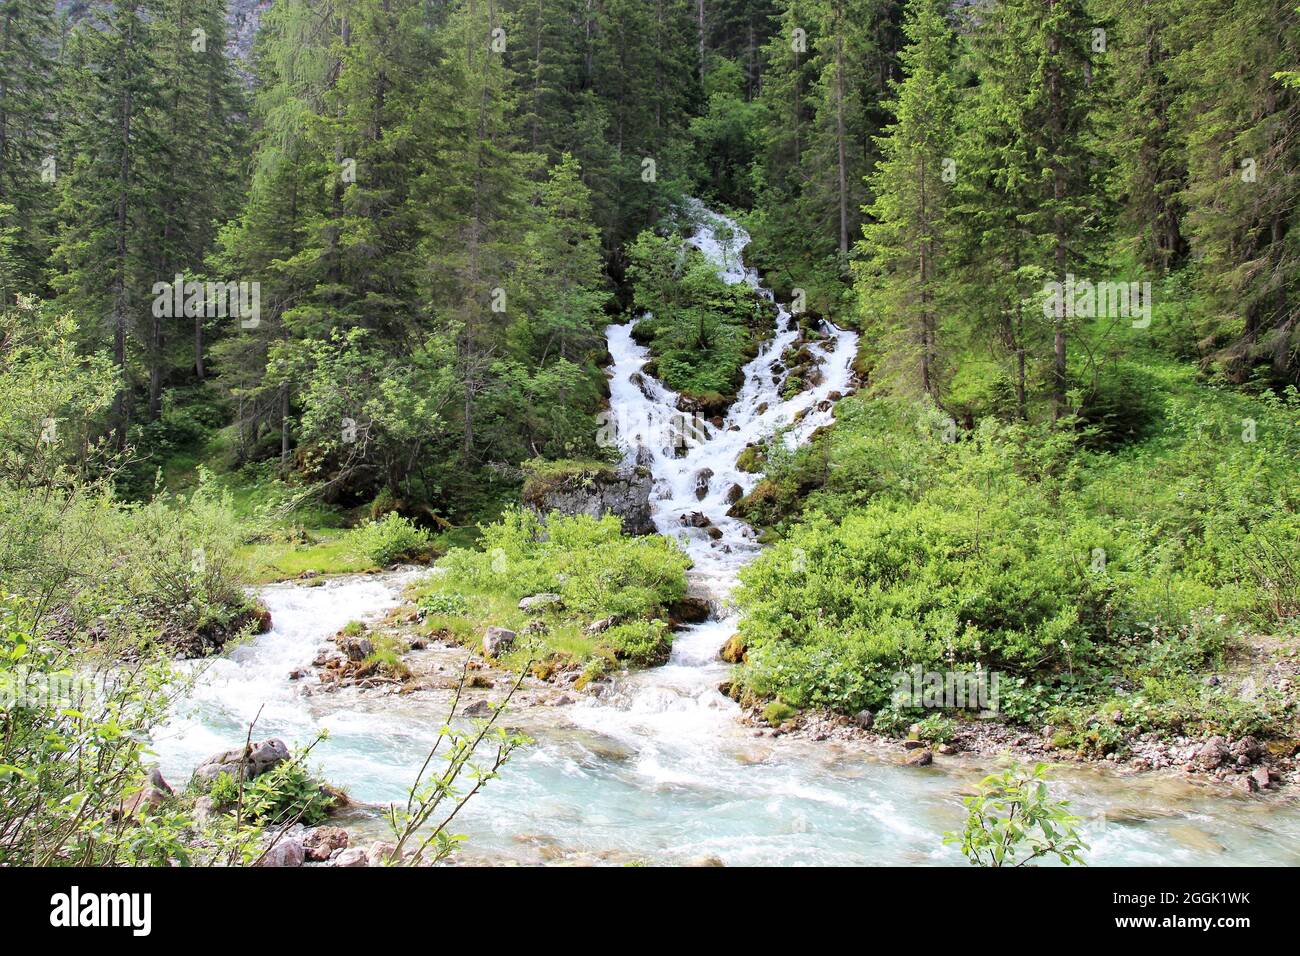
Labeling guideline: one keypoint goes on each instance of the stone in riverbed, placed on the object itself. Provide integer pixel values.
(480, 708)
(380, 853)
(702, 479)
(1261, 778)
(864, 719)
(356, 648)
(1212, 754)
(733, 652)
(288, 851)
(919, 758)
(496, 640)
(353, 856)
(323, 842)
(689, 610)
(734, 494)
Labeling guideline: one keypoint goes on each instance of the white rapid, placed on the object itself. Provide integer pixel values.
(658, 769)
(693, 462)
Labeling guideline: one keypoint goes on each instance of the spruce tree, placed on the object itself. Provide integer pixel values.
(905, 240)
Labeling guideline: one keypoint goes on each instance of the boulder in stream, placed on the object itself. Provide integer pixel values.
(496, 640)
(261, 757)
(288, 851)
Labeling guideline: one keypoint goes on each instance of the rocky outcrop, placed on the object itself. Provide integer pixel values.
(323, 842)
(596, 491)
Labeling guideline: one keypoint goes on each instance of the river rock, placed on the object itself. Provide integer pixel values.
(540, 602)
(288, 851)
(696, 519)
(497, 640)
(702, 479)
(1211, 754)
(1249, 748)
(733, 652)
(480, 708)
(356, 648)
(864, 719)
(262, 757)
(353, 856)
(689, 610)
(323, 842)
(1261, 777)
(919, 758)
(734, 494)
(380, 853)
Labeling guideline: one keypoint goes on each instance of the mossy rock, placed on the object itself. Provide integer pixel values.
(545, 477)
(733, 652)
(752, 459)
(778, 712)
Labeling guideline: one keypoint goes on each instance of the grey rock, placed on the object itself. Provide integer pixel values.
(262, 757)
(357, 648)
(702, 479)
(625, 494)
(864, 719)
(540, 602)
(380, 853)
(497, 640)
(480, 708)
(1211, 754)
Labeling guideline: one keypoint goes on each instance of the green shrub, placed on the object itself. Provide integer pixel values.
(599, 573)
(778, 712)
(390, 539)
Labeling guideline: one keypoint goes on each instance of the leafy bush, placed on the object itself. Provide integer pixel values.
(390, 539)
(1013, 821)
(1069, 572)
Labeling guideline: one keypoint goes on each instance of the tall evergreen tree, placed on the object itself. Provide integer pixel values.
(28, 165)
(901, 271)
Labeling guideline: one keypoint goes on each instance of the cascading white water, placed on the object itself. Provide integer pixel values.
(658, 769)
(694, 468)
